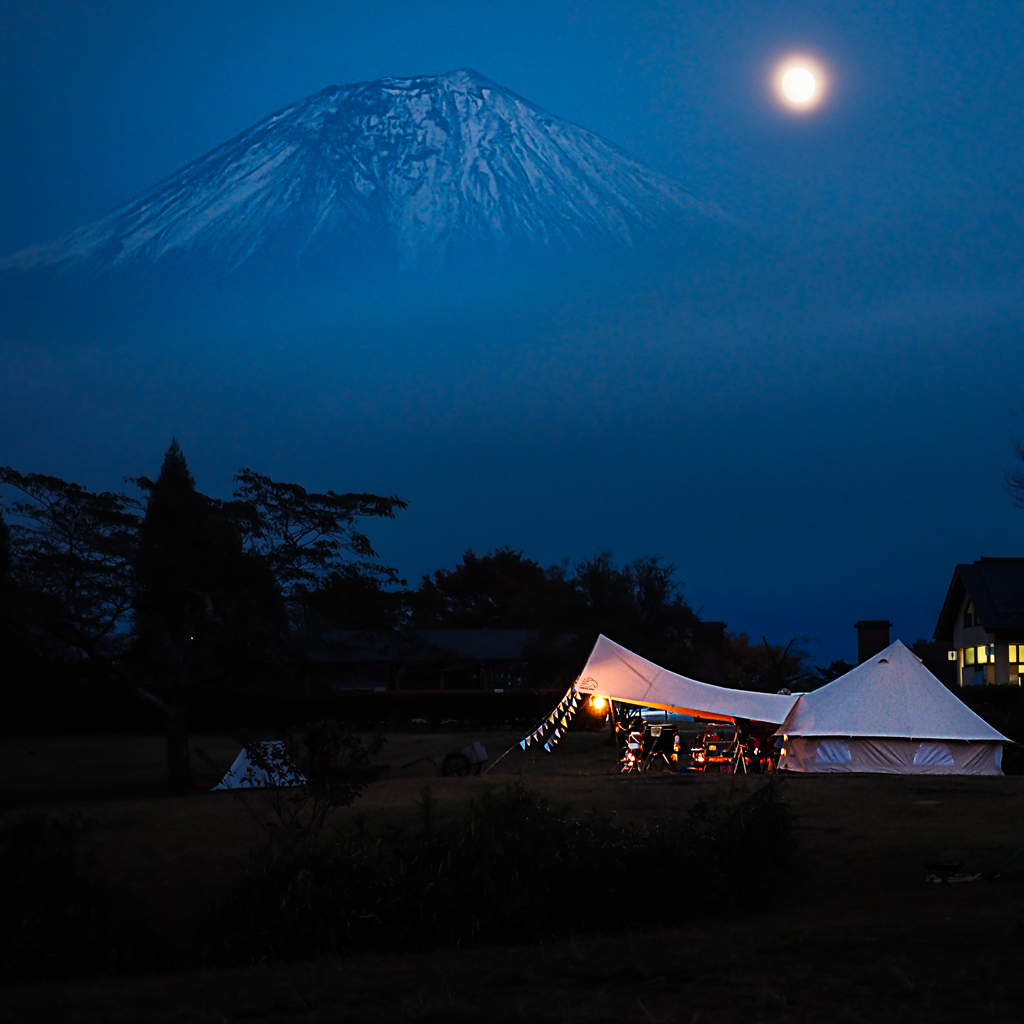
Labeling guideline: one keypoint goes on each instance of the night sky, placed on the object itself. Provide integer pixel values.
(813, 434)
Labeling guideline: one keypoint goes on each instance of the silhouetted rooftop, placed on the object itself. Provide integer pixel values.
(996, 588)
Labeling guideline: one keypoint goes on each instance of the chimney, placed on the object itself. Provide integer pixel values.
(872, 637)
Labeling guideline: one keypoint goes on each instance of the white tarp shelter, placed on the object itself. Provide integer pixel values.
(246, 774)
(890, 715)
(618, 674)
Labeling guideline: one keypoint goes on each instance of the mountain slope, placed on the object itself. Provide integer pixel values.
(414, 169)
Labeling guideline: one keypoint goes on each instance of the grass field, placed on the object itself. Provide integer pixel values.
(859, 936)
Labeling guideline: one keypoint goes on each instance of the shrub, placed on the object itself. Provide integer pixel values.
(53, 906)
(513, 869)
(295, 783)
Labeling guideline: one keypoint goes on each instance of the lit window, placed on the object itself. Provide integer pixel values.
(982, 655)
(968, 655)
(1013, 654)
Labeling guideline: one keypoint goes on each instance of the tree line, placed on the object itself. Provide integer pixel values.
(159, 594)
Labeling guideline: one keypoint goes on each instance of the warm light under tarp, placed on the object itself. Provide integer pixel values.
(618, 674)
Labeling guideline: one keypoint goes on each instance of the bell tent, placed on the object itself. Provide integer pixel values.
(888, 715)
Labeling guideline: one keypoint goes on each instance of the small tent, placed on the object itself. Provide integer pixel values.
(618, 674)
(890, 715)
(277, 769)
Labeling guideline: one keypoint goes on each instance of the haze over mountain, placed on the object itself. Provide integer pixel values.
(400, 173)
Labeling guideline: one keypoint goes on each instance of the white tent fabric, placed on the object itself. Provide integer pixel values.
(890, 715)
(246, 774)
(891, 756)
(618, 674)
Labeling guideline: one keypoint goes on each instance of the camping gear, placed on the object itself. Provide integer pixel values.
(278, 770)
(661, 747)
(760, 752)
(647, 747)
(949, 872)
(888, 715)
(470, 759)
(632, 758)
(620, 675)
(718, 751)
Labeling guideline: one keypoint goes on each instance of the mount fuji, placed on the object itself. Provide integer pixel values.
(408, 173)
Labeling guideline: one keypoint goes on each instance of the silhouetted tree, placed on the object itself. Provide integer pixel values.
(767, 667)
(352, 598)
(829, 673)
(202, 602)
(304, 536)
(501, 589)
(72, 561)
(639, 605)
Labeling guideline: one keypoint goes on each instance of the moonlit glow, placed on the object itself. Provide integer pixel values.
(800, 83)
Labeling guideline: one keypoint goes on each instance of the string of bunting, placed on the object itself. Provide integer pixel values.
(552, 727)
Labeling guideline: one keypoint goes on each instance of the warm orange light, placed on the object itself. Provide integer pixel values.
(597, 703)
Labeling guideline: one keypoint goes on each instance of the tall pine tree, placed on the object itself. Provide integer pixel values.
(199, 598)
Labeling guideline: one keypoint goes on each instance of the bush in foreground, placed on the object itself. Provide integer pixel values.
(512, 870)
(54, 908)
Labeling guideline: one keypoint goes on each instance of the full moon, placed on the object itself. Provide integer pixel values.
(799, 85)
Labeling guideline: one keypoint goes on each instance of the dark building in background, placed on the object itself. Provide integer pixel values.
(872, 637)
(982, 621)
(423, 659)
(710, 652)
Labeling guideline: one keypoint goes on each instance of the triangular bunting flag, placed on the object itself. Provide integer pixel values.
(522, 743)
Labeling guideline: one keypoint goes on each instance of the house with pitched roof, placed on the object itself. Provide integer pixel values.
(982, 620)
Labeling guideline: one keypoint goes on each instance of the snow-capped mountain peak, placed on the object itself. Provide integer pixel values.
(413, 169)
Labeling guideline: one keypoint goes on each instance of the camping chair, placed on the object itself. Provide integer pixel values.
(659, 746)
(719, 751)
(633, 751)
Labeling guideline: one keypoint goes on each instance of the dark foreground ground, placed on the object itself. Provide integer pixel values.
(859, 936)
